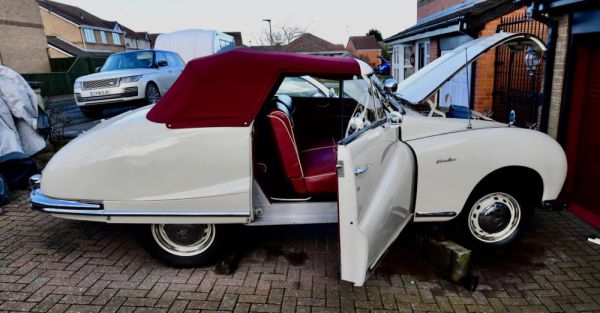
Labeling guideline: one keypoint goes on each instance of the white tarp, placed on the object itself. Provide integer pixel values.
(18, 115)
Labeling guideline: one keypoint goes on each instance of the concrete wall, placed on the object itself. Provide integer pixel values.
(23, 45)
(558, 75)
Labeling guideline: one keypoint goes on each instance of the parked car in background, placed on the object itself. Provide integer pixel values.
(195, 43)
(220, 152)
(134, 77)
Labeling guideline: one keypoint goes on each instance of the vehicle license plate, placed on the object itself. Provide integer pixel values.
(99, 93)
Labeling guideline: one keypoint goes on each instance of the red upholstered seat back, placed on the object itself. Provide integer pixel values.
(287, 149)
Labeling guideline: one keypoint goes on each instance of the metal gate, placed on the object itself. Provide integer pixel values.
(515, 88)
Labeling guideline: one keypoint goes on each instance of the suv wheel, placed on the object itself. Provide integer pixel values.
(152, 93)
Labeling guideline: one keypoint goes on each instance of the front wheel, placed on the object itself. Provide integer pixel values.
(183, 245)
(152, 93)
(494, 219)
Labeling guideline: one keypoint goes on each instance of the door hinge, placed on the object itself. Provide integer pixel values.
(339, 168)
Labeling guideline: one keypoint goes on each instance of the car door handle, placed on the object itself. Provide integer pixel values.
(359, 170)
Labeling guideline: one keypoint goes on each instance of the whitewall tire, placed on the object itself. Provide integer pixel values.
(183, 245)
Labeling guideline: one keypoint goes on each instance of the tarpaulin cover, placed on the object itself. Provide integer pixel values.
(228, 89)
(18, 117)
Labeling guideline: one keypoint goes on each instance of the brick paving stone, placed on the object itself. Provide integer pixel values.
(54, 265)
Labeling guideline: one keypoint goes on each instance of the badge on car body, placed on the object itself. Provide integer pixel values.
(448, 160)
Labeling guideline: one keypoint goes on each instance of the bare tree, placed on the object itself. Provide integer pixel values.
(282, 35)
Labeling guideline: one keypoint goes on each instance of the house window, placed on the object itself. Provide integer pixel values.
(116, 37)
(89, 35)
(103, 37)
(397, 65)
(422, 54)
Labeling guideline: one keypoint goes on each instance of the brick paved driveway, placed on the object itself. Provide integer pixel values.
(49, 264)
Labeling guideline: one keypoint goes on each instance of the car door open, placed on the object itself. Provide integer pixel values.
(375, 181)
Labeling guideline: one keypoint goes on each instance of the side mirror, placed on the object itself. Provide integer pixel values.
(390, 84)
(162, 63)
(98, 69)
(394, 119)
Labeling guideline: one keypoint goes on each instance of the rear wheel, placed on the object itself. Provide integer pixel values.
(152, 93)
(183, 245)
(494, 218)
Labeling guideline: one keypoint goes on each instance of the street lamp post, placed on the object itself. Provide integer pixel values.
(268, 20)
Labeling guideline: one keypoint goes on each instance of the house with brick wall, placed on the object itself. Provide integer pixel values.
(73, 32)
(443, 25)
(308, 43)
(20, 22)
(365, 48)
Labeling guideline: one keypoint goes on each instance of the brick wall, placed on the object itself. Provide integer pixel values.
(369, 56)
(428, 7)
(560, 60)
(434, 49)
(23, 45)
(56, 26)
(484, 69)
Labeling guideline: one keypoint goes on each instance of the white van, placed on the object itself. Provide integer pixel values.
(194, 43)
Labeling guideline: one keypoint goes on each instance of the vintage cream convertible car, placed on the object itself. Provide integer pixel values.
(211, 153)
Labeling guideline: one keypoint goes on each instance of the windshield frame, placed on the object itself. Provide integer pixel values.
(122, 54)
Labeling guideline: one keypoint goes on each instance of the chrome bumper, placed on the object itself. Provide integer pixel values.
(57, 206)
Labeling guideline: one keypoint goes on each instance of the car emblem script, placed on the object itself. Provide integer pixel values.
(448, 160)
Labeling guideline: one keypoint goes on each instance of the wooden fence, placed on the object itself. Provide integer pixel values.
(64, 73)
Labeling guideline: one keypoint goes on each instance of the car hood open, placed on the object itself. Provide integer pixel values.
(426, 81)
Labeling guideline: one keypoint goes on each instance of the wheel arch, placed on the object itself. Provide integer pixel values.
(515, 176)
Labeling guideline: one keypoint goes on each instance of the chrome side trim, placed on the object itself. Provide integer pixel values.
(438, 214)
(57, 206)
(40, 201)
(143, 213)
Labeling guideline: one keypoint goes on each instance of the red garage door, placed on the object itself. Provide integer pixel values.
(583, 142)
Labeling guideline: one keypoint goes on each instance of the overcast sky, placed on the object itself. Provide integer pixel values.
(332, 20)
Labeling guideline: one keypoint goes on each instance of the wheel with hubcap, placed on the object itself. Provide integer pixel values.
(494, 219)
(152, 93)
(183, 245)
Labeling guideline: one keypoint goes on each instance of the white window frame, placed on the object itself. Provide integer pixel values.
(103, 38)
(89, 35)
(116, 37)
(427, 45)
(398, 62)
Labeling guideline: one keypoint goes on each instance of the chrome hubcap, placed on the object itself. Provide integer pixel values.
(494, 217)
(184, 239)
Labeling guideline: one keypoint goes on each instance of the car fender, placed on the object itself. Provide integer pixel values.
(139, 167)
(451, 165)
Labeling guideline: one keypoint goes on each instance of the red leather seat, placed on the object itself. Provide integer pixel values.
(310, 171)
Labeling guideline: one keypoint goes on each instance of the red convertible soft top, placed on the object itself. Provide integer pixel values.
(228, 89)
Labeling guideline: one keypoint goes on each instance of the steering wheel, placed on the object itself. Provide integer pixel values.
(358, 119)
